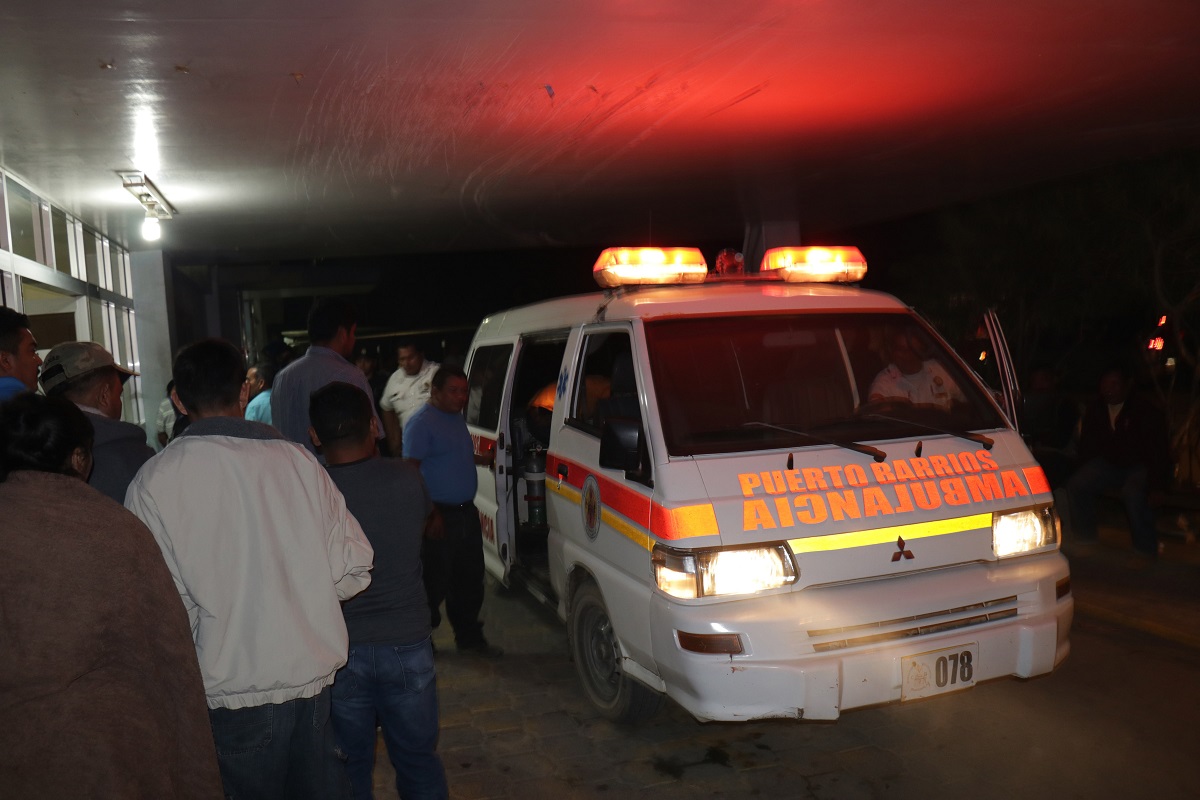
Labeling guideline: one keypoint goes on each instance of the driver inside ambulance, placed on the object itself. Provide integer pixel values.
(911, 379)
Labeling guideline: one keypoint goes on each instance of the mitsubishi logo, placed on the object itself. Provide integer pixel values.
(903, 552)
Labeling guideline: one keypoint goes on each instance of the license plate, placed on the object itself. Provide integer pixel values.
(938, 671)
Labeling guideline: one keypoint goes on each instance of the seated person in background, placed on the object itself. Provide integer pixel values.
(1049, 422)
(1123, 446)
(912, 379)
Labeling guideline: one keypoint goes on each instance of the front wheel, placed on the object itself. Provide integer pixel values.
(597, 657)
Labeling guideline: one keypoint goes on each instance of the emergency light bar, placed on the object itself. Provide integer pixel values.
(814, 264)
(626, 266)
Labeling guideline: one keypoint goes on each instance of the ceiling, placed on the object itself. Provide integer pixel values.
(306, 129)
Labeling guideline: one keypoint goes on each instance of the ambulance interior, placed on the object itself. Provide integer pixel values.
(534, 394)
(744, 383)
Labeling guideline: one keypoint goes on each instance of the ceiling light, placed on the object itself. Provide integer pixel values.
(151, 230)
(156, 205)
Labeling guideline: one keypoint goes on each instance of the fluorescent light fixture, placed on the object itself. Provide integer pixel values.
(156, 205)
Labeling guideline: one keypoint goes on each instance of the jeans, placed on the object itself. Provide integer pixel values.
(283, 750)
(453, 571)
(1097, 476)
(397, 685)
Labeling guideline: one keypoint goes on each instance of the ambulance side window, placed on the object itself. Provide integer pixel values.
(607, 386)
(485, 385)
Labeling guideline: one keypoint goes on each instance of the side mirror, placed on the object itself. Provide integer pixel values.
(623, 447)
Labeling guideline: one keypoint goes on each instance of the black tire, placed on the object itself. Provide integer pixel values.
(597, 656)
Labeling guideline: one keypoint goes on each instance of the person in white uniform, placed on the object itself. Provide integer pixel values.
(406, 391)
(911, 379)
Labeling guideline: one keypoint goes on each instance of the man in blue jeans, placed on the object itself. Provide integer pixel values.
(390, 672)
(262, 549)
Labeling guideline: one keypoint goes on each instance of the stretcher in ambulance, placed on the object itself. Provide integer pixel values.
(773, 495)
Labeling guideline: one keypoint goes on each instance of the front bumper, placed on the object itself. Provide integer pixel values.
(811, 653)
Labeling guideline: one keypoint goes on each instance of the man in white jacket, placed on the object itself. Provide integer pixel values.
(262, 550)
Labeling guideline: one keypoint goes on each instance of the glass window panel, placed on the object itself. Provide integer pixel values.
(60, 227)
(120, 349)
(114, 264)
(95, 320)
(608, 387)
(138, 401)
(121, 352)
(485, 385)
(110, 329)
(127, 273)
(79, 268)
(91, 257)
(22, 220)
(105, 269)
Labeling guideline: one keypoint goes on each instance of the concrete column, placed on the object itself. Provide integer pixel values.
(154, 308)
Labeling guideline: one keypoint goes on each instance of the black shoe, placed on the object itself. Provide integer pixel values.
(481, 649)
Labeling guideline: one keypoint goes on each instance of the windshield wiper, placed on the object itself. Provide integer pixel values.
(865, 449)
(978, 438)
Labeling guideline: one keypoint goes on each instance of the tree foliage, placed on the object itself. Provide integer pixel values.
(1080, 271)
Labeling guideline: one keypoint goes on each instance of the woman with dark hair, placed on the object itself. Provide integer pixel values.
(100, 690)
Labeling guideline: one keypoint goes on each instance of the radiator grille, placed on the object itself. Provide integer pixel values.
(919, 625)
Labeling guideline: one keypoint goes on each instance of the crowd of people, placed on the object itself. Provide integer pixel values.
(236, 614)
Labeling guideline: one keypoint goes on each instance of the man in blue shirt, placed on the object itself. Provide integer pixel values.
(259, 380)
(332, 324)
(436, 440)
(19, 361)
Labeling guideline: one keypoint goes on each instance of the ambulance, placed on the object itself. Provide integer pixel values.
(762, 495)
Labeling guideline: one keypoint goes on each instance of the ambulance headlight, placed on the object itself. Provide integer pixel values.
(728, 571)
(1024, 531)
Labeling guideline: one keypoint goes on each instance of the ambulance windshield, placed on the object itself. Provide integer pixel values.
(731, 384)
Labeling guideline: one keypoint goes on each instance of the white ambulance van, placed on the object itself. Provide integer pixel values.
(770, 495)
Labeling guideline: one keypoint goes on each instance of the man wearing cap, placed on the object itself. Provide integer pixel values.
(86, 374)
(19, 360)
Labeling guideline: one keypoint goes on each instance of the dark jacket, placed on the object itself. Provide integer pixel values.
(1139, 438)
(118, 453)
